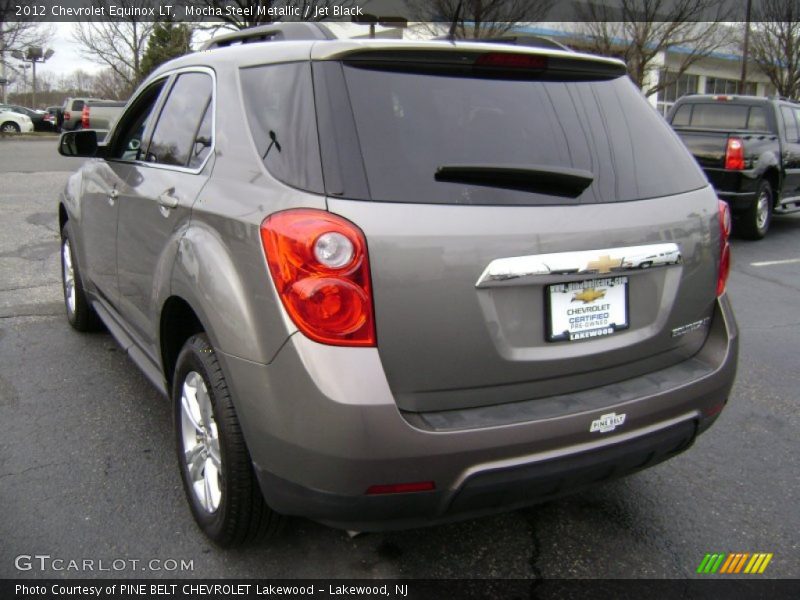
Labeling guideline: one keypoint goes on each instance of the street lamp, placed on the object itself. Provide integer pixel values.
(35, 54)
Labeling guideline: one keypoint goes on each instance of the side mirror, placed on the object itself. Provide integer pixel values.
(82, 143)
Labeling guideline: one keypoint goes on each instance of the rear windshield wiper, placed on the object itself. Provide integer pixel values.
(540, 179)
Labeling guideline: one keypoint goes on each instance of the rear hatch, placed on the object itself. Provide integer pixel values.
(534, 226)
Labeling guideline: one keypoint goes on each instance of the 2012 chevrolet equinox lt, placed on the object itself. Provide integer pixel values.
(393, 283)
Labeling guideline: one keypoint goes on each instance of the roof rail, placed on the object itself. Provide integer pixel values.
(275, 32)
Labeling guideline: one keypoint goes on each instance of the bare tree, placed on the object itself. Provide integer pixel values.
(775, 44)
(638, 31)
(478, 18)
(250, 13)
(16, 34)
(77, 83)
(108, 84)
(118, 43)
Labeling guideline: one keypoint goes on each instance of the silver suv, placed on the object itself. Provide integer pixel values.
(389, 283)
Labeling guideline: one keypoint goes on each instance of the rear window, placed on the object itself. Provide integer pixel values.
(727, 117)
(410, 124)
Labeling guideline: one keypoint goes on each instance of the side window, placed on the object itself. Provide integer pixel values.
(279, 102)
(127, 142)
(797, 120)
(177, 139)
(790, 124)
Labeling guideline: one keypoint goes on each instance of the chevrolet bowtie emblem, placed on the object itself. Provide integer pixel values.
(604, 264)
(588, 295)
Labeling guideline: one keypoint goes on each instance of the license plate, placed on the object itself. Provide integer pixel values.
(587, 309)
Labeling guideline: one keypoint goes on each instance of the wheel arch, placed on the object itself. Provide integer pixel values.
(773, 177)
(63, 217)
(178, 322)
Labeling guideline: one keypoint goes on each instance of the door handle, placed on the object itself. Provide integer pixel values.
(112, 196)
(167, 199)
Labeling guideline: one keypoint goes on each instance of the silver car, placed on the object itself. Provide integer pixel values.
(383, 283)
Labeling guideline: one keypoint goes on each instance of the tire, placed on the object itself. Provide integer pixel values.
(10, 127)
(217, 472)
(754, 222)
(80, 313)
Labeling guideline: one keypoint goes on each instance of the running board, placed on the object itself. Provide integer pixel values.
(147, 366)
(788, 208)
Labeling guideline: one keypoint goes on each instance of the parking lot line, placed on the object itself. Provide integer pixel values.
(769, 263)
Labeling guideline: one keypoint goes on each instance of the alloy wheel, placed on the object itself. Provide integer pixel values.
(200, 439)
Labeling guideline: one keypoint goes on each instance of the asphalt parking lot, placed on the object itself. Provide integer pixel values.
(87, 467)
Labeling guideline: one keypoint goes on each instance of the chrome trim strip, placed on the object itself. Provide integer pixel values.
(518, 270)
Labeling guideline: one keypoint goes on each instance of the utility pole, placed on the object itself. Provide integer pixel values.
(34, 55)
(745, 48)
(3, 79)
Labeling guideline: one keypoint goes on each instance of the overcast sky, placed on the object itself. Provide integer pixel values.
(66, 58)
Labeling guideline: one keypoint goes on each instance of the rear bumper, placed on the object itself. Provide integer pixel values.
(738, 188)
(325, 427)
(738, 201)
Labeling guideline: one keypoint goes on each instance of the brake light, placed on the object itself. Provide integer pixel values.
(85, 117)
(511, 60)
(724, 246)
(320, 267)
(734, 154)
(67, 116)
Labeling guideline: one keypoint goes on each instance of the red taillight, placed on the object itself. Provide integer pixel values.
(320, 267)
(724, 246)
(401, 488)
(734, 154)
(514, 61)
(67, 116)
(85, 117)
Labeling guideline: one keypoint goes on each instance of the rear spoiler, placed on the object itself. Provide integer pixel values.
(470, 62)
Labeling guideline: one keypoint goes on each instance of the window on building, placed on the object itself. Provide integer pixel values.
(719, 85)
(677, 86)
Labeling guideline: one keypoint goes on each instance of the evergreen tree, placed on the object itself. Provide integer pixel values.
(169, 40)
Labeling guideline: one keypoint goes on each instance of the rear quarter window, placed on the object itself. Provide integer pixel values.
(279, 105)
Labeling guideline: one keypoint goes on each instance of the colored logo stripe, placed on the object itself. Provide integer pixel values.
(734, 562)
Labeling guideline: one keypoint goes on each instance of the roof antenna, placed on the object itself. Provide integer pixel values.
(452, 35)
